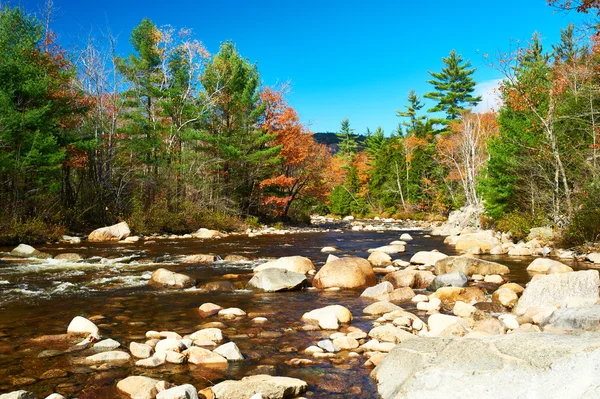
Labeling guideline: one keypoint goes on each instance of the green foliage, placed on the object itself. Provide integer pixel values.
(347, 140)
(585, 226)
(31, 231)
(453, 88)
(519, 223)
(340, 201)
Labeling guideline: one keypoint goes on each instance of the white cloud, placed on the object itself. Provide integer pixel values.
(490, 96)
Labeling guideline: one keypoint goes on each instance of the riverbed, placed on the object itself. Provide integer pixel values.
(111, 286)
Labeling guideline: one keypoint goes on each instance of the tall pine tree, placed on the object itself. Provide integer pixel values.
(453, 88)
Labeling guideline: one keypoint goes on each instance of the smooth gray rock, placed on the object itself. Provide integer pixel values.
(454, 279)
(27, 251)
(585, 318)
(514, 366)
(557, 290)
(275, 280)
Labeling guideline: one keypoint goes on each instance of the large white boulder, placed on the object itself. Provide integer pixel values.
(81, 326)
(329, 317)
(115, 232)
(168, 279)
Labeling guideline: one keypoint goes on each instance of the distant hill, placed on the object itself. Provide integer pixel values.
(331, 140)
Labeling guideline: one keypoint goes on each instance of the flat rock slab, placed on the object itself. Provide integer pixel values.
(585, 318)
(501, 367)
(469, 266)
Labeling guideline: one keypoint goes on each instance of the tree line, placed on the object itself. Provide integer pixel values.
(171, 138)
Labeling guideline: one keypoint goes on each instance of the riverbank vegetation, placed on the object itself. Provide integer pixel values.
(171, 138)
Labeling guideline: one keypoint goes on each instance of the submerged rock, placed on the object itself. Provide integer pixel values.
(115, 232)
(509, 366)
(269, 386)
(200, 259)
(27, 251)
(345, 273)
(168, 279)
(275, 280)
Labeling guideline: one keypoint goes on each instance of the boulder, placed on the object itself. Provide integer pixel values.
(141, 351)
(18, 395)
(484, 240)
(268, 386)
(594, 257)
(115, 232)
(106, 345)
(453, 279)
(345, 273)
(229, 351)
(185, 391)
(389, 249)
(469, 266)
(390, 333)
(380, 308)
(200, 259)
(519, 251)
(204, 357)
(236, 258)
(579, 319)
(297, 264)
(81, 326)
(139, 387)
(109, 357)
(557, 290)
(450, 295)
(380, 259)
(206, 233)
(328, 249)
(27, 251)
(329, 317)
(211, 334)
(168, 279)
(406, 237)
(403, 294)
(513, 366)
(505, 297)
(439, 322)
(380, 292)
(208, 309)
(543, 265)
(543, 234)
(427, 258)
(410, 278)
(275, 280)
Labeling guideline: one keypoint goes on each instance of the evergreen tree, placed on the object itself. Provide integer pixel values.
(244, 152)
(453, 88)
(347, 140)
(375, 142)
(415, 121)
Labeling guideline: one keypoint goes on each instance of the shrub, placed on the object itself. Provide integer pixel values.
(29, 231)
(585, 226)
(519, 223)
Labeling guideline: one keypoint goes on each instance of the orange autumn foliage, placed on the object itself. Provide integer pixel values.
(302, 171)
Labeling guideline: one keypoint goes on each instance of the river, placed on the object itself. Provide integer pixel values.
(111, 286)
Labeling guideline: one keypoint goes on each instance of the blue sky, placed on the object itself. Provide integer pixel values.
(344, 59)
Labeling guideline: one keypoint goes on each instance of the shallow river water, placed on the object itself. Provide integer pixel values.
(40, 298)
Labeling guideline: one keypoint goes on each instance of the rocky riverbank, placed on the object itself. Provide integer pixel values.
(465, 326)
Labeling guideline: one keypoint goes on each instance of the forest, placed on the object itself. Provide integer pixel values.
(171, 138)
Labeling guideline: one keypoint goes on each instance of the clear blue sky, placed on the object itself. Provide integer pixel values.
(354, 59)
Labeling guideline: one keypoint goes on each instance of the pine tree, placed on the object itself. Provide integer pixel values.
(415, 121)
(375, 142)
(453, 88)
(244, 152)
(347, 140)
